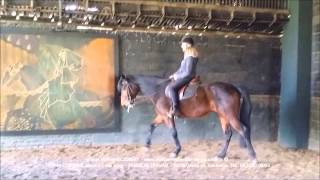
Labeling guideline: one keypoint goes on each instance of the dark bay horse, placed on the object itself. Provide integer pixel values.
(232, 105)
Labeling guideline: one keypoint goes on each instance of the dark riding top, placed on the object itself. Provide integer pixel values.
(187, 69)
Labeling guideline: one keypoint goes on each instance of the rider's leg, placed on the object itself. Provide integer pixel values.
(174, 88)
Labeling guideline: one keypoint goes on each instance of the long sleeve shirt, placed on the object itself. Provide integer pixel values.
(187, 68)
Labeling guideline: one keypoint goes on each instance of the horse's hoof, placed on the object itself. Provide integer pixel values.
(254, 161)
(217, 158)
(146, 149)
(173, 155)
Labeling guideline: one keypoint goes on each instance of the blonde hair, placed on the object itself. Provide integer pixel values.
(191, 51)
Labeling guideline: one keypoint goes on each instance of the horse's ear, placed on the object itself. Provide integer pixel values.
(123, 76)
(120, 83)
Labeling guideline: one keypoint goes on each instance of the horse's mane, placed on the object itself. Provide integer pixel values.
(149, 85)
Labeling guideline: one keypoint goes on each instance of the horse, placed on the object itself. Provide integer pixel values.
(231, 103)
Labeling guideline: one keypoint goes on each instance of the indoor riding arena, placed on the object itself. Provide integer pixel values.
(160, 89)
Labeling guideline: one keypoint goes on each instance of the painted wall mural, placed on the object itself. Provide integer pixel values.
(55, 82)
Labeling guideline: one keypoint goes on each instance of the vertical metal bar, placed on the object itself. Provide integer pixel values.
(286, 4)
(60, 10)
(31, 3)
(86, 5)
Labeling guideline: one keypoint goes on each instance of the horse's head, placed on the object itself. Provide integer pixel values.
(128, 90)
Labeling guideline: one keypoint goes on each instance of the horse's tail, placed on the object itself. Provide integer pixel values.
(245, 113)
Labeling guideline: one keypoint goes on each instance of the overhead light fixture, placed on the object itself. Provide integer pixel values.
(94, 28)
(29, 47)
(50, 15)
(92, 9)
(90, 16)
(13, 13)
(31, 14)
(85, 17)
(18, 43)
(59, 23)
(71, 7)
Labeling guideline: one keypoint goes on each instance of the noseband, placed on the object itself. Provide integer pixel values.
(130, 97)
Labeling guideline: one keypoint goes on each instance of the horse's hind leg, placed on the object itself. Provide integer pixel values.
(244, 132)
(223, 152)
(227, 133)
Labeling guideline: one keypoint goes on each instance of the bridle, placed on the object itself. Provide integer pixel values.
(131, 98)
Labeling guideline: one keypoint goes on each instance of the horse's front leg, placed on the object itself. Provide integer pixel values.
(151, 129)
(174, 133)
(158, 120)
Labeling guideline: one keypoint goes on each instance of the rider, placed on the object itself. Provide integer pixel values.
(184, 74)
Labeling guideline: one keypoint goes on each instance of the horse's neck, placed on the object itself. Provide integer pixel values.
(150, 85)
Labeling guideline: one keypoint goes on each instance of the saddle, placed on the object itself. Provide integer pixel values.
(190, 89)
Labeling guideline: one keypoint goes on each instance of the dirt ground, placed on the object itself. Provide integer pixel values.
(196, 161)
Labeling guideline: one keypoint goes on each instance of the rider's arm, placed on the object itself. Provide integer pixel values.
(186, 69)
